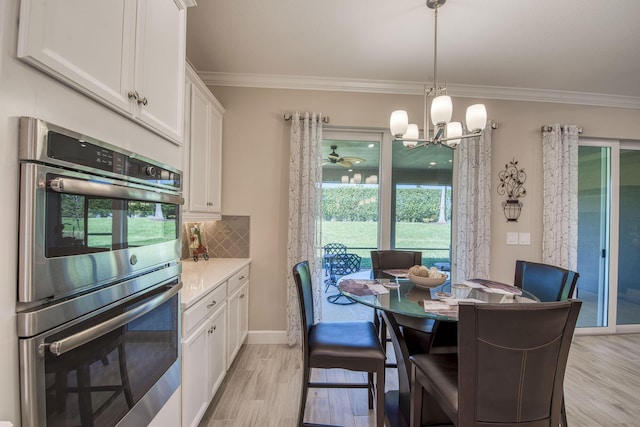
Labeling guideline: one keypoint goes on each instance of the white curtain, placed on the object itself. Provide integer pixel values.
(560, 212)
(473, 215)
(305, 180)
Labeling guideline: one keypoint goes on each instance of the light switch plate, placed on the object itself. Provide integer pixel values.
(512, 238)
(524, 238)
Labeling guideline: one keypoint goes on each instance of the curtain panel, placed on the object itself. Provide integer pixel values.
(305, 183)
(473, 214)
(560, 187)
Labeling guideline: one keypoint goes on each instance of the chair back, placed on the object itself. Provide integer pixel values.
(302, 277)
(334, 248)
(547, 282)
(389, 260)
(345, 264)
(512, 360)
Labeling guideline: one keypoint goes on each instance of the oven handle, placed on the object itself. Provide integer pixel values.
(76, 340)
(87, 188)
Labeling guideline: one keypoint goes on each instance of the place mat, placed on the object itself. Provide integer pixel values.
(398, 272)
(493, 287)
(362, 287)
(440, 308)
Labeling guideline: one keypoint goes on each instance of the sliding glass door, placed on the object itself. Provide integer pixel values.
(609, 236)
(628, 298)
(594, 213)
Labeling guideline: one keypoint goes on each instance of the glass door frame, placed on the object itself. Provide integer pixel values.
(383, 138)
(611, 259)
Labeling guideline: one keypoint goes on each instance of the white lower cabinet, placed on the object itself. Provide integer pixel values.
(238, 311)
(214, 329)
(204, 358)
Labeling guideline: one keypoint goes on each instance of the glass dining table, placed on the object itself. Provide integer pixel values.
(422, 319)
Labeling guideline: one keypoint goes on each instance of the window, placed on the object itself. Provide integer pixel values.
(377, 194)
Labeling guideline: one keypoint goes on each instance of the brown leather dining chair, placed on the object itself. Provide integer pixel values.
(547, 282)
(509, 368)
(391, 259)
(345, 345)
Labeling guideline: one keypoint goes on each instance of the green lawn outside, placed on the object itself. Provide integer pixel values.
(361, 237)
(147, 231)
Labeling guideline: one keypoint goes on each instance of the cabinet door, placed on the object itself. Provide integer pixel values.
(243, 314)
(218, 349)
(195, 375)
(88, 44)
(215, 156)
(200, 156)
(159, 65)
(238, 308)
(233, 338)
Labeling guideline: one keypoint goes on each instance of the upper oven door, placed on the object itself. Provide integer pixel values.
(79, 231)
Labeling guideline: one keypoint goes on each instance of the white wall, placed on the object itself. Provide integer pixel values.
(256, 156)
(24, 91)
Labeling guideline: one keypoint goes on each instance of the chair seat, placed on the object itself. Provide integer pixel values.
(442, 370)
(334, 344)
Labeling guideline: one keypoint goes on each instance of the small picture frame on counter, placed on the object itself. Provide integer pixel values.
(196, 247)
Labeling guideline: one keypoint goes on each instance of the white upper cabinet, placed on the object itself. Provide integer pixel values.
(159, 65)
(203, 152)
(128, 55)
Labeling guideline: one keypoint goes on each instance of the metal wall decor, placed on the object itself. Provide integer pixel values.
(512, 180)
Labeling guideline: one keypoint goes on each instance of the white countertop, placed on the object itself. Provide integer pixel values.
(198, 278)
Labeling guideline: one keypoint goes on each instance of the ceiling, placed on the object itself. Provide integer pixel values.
(575, 51)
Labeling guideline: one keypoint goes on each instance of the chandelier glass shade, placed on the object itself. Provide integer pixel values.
(445, 131)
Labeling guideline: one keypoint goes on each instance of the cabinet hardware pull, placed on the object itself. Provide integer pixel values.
(240, 278)
(88, 188)
(212, 304)
(133, 94)
(142, 101)
(69, 343)
(214, 327)
(242, 296)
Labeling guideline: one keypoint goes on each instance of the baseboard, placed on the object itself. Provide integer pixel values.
(267, 337)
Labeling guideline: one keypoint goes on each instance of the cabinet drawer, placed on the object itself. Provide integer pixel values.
(203, 308)
(238, 279)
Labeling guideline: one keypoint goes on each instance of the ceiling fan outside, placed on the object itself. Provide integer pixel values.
(345, 162)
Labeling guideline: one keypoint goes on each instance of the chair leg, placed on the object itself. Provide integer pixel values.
(563, 415)
(416, 400)
(303, 394)
(380, 380)
(370, 389)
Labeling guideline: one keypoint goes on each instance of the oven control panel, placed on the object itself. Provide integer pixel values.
(84, 153)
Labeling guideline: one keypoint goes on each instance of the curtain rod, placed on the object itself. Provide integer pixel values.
(287, 117)
(549, 128)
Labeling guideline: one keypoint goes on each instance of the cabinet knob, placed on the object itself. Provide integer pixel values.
(241, 295)
(212, 304)
(214, 327)
(133, 94)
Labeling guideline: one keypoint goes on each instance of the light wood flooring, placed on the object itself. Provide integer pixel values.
(602, 388)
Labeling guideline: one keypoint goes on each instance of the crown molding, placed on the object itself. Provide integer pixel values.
(272, 81)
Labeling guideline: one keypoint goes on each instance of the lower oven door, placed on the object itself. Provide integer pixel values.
(117, 367)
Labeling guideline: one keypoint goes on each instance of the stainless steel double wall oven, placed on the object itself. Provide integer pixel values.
(98, 281)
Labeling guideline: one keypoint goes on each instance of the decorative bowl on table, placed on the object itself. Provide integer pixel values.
(427, 282)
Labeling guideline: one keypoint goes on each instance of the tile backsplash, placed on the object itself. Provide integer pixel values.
(227, 238)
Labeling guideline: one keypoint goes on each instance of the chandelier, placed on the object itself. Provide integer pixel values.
(445, 131)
